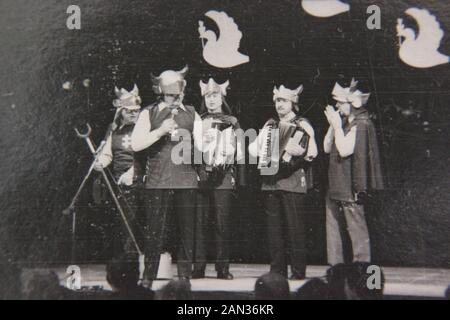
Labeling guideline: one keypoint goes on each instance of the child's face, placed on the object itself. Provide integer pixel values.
(213, 102)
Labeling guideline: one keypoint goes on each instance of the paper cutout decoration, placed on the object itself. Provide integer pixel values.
(324, 8)
(421, 51)
(222, 51)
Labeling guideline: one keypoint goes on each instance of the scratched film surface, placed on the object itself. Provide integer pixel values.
(122, 43)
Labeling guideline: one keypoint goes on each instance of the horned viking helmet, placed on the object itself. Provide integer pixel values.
(170, 82)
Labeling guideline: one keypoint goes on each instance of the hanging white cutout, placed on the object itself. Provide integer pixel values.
(222, 51)
(421, 51)
(324, 8)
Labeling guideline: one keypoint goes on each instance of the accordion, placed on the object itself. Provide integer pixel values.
(212, 173)
(274, 142)
(214, 156)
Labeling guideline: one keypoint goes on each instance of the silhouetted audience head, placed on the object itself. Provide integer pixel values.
(447, 293)
(336, 280)
(9, 281)
(314, 289)
(41, 285)
(176, 290)
(272, 286)
(356, 281)
(365, 282)
(122, 274)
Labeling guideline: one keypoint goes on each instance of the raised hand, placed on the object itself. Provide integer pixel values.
(333, 117)
(98, 166)
(168, 126)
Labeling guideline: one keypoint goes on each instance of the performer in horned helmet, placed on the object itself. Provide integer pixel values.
(218, 176)
(288, 144)
(118, 153)
(354, 170)
(170, 186)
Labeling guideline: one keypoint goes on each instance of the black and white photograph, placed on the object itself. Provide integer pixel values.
(225, 150)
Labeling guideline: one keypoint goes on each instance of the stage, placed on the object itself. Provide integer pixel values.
(400, 282)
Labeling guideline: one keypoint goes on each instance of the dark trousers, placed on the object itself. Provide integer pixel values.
(162, 207)
(214, 208)
(285, 212)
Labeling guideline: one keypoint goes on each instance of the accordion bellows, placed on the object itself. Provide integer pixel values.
(275, 140)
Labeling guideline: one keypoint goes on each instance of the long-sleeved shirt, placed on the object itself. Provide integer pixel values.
(168, 159)
(345, 143)
(105, 157)
(143, 136)
(117, 150)
(354, 164)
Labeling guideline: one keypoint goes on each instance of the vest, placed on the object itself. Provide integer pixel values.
(340, 173)
(123, 155)
(161, 172)
(361, 171)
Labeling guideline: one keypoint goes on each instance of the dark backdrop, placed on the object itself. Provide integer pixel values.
(122, 42)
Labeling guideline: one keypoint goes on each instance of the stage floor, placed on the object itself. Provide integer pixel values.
(400, 282)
